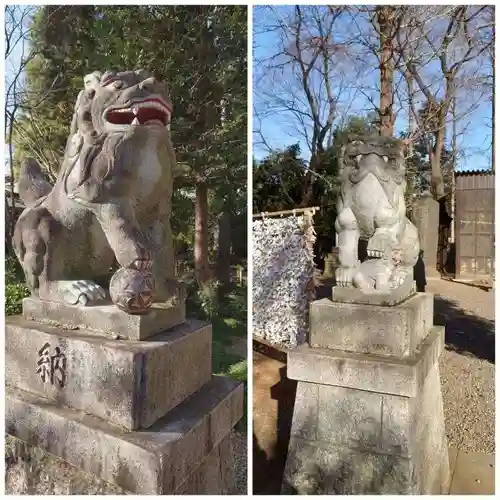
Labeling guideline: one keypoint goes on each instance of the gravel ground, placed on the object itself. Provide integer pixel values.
(467, 365)
(239, 441)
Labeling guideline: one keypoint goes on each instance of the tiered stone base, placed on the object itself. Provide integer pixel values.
(369, 423)
(145, 415)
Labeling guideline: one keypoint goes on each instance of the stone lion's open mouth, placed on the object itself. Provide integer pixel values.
(146, 112)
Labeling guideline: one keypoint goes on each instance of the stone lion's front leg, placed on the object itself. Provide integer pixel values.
(348, 237)
(167, 289)
(380, 244)
(129, 244)
(388, 230)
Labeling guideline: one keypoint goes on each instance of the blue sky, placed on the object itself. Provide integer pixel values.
(277, 126)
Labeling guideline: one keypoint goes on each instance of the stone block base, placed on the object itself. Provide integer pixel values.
(374, 329)
(361, 439)
(187, 451)
(128, 383)
(52, 475)
(105, 319)
(373, 297)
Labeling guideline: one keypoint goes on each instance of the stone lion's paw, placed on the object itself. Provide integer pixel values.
(379, 245)
(344, 276)
(82, 292)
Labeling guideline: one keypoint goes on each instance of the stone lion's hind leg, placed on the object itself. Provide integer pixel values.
(410, 245)
(30, 245)
(41, 245)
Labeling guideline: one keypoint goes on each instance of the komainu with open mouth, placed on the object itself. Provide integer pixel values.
(371, 206)
(111, 200)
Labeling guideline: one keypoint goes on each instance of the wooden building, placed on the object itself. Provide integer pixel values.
(475, 225)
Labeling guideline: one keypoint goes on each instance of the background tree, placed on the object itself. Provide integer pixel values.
(306, 79)
(19, 99)
(440, 48)
(420, 72)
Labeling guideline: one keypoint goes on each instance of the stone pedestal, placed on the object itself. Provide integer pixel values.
(368, 416)
(145, 415)
(426, 219)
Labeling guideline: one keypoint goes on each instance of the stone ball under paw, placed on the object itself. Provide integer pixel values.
(132, 290)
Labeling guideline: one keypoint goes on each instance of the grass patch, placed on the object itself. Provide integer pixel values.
(15, 289)
(229, 323)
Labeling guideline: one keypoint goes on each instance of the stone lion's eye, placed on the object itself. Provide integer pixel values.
(117, 84)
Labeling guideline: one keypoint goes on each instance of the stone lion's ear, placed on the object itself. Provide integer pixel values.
(91, 81)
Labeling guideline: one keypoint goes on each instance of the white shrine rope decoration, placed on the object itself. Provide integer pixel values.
(283, 278)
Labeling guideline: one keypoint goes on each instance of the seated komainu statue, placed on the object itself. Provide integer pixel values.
(371, 206)
(111, 200)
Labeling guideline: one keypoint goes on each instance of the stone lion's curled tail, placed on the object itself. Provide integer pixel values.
(32, 183)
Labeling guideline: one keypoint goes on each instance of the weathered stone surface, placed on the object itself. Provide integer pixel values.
(215, 475)
(387, 437)
(349, 417)
(305, 411)
(318, 468)
(372, 297)
(106, 319)
(395, 331)
(129, 383)
(372, 421)
(153, 461)
(425, 216)
(31, 471)
(431, 451)
(368, 372)
(397, 426)
(363, 438)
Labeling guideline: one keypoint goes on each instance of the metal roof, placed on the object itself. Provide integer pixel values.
(474, 172)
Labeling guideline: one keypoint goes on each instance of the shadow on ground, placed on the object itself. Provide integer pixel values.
(268, 467)
(465, 333)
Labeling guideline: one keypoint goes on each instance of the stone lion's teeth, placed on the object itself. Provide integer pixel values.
(136, 121)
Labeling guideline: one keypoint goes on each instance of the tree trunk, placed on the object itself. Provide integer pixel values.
(224, 249)
(493, 127)
(412, 125)
(201, 263)
(385, 18)
(437, 182)
(309, 179)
